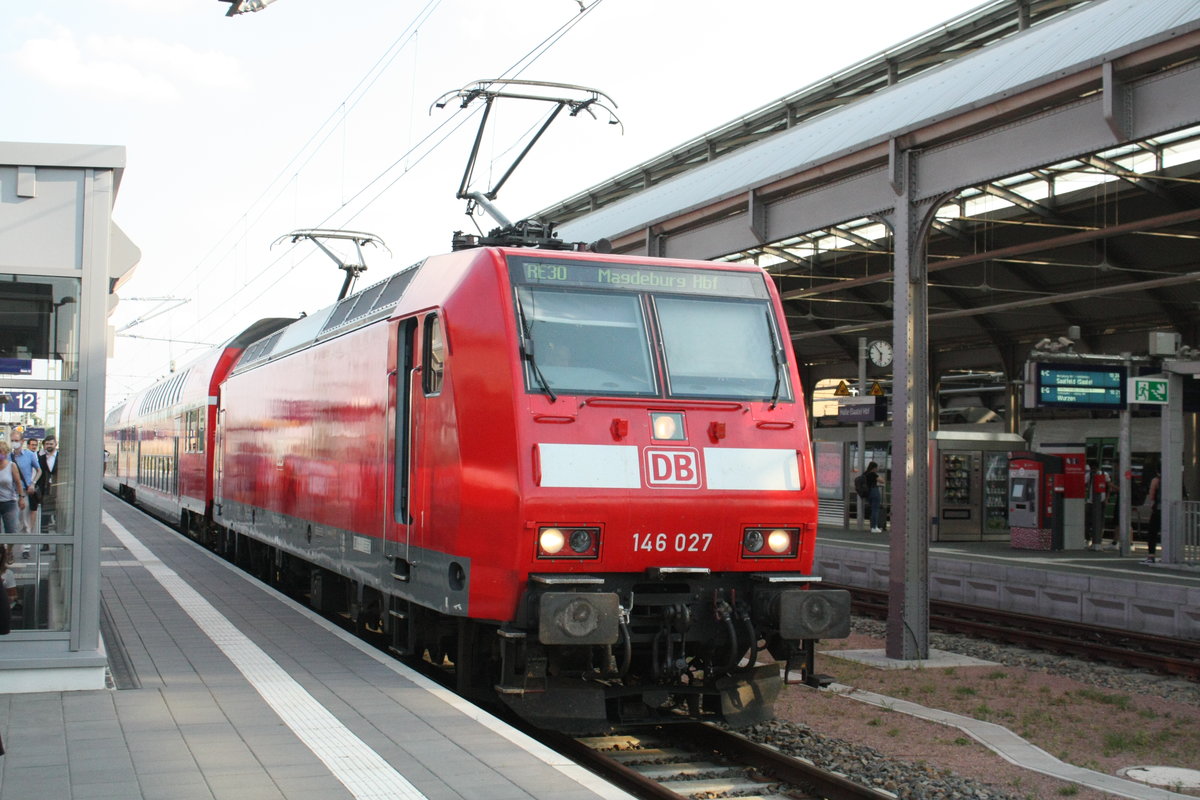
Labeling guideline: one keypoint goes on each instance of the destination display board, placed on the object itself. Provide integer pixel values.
(1080, 385)
(675, 280)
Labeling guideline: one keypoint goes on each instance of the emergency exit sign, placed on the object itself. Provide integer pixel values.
(1149, 390)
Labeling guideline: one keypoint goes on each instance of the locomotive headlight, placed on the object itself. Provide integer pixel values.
(770, 542)
(753, 541)
(581, 540)
(779, 541)
(568, 542)
(551, 540)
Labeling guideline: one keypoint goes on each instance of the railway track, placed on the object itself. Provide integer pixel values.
(694, 760)
(1178, 657)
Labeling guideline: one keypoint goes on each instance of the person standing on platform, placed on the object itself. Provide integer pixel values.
(27, 462)
(1153, 510)
(12, 494)
(1095, 500)
(5, 611)
(1088, 534)
(47, 486)
(9, 581)
(874, 485)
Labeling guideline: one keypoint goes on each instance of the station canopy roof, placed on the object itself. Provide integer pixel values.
(1104, 239)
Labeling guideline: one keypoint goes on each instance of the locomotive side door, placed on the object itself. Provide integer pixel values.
(218, 462)
(401, 380)
(423, 430)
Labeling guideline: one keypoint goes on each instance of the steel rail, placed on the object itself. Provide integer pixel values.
(766, 764)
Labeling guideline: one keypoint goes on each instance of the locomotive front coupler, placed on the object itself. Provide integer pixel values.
(787, 605)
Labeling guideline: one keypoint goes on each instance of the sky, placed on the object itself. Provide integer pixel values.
(314, 113)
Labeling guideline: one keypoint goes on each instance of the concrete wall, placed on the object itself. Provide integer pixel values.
(1112, 598)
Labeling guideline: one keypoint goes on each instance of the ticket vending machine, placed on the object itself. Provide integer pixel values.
(1074, 465)
(1036, 488)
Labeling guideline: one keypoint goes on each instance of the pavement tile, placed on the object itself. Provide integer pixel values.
(120, 774)
(101, 761)
(33, 754)
(165, 766)
(244, 787)
(280, 755)
(98, 729)
(23, 782)
(118, 790)
(178, 791)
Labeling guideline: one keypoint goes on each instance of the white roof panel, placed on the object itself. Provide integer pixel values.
(1087, 36)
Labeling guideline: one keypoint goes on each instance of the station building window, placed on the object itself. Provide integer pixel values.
(39, 562)
(39, 337)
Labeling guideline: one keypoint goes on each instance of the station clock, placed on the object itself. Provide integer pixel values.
(880, 353)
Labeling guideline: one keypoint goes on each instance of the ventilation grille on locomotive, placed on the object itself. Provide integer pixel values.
(375, 297)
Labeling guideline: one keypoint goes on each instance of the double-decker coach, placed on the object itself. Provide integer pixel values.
(158, 444)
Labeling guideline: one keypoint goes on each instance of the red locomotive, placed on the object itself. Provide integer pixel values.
(585, 480)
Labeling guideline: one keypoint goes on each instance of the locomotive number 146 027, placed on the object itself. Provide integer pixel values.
(668, 542)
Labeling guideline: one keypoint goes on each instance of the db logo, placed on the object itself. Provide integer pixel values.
(673, 468)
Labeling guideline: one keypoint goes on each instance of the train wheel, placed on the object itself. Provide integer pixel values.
(476, 663)
(369, 619)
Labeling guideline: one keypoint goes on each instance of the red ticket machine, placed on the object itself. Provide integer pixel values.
(1074, 461)
(1037, 486)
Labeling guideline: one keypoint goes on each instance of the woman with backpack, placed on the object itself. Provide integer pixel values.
(870, 486)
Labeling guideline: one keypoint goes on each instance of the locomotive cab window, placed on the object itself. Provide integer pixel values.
(435, 355)
(721, 348)
(619, 329)
(584, 342)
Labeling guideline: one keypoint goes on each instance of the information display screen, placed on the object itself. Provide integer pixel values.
(675, 280)
(1081, 386)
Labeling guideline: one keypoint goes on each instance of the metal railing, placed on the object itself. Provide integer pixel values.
(1185, 518)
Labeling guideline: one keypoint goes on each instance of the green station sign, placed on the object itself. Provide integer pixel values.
(1149, 390)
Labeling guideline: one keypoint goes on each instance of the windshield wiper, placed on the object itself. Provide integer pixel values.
(776, 356)
(527, 351)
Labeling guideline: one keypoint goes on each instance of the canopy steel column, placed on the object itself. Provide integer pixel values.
(908, 594)
(1170, 488)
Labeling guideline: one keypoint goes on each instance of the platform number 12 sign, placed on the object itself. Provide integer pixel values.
(20, 402)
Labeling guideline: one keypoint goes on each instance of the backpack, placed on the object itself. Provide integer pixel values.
(860, 485)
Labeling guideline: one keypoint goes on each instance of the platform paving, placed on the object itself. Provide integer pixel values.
(232, 691)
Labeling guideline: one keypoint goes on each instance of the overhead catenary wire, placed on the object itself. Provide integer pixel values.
(528, 60)
(523, 63)
(340, 112)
